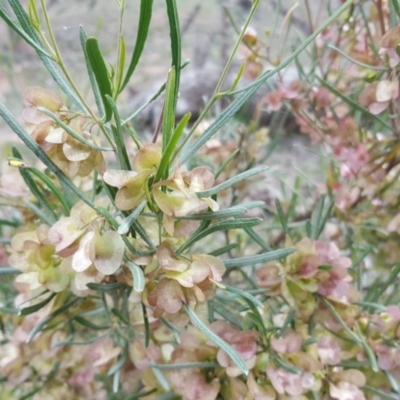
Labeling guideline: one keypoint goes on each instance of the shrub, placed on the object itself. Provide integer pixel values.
(143, 268)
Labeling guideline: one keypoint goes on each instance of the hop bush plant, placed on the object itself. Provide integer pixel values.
(136, 267)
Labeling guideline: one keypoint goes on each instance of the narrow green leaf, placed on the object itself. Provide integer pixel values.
(217, 340)
(257, 259)
(71, 132)
(100, 72)
(169, 109)
(49, 318)
(127, 222)
(286, 366)
(147, 332)
(9, 310)
(220, 226)
(316, 217)
(252, 321)
(227, 213)
(85, 322)
(380, 395)
(175, 35)
(163, 168)
(143, 234)
(120, 64)
(319, 218)
(237, 77)
(381, 289)
(226, 313)
(71, 342)
(9, 270)
(116, 381)
(117, 366)
(245, 295)
(35, 190)
(146, 7)
(288, 320)
(6, 222)
(92, 79)
(52, 187)
(353, 104)
(161, 379)
(393, 382)
(122, 154)
(257, 239)
(396, 6)
(340, 320)
(104, 288)
(138, 276)
(223, 250)
(33, 15)
(281, 215)
(225, 163)
(39, 213)
(36, 307)
(203, 365)
(232, 181)
(140, 109)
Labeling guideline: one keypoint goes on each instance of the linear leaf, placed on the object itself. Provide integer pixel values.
(36, 307)
(71, 132)
(52, 187)
(119, 138)
(232, 181)
(104, 288)
(92, 79)
(353, 104)
(49, 318)
(146, 7)
(169, 109)
(34, 188)
(217, 340)
(239, 223)
(100, 72)
(85, 322)
(9, 270)
(229, 212)
(245, 295)
(175, 36)
(259, 258)
(138, 276)
(163, 168)
(127, 222)
(223, 250)
(396, 7)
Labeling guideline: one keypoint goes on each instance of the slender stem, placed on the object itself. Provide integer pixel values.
(61, 64)
(121, 23)
(361, 64)
(221, 80)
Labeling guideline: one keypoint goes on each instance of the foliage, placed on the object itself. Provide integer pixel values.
(139, 267)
